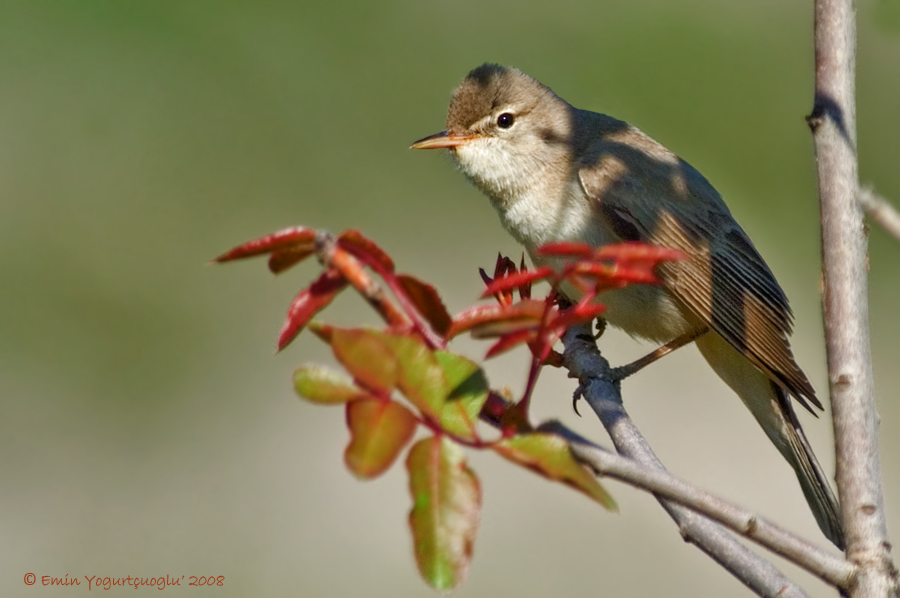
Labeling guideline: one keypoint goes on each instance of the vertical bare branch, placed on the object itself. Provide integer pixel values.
(833, 123)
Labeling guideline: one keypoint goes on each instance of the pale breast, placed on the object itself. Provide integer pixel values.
(642, 311)
(535, 215)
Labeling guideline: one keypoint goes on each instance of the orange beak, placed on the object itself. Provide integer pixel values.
(444, 139)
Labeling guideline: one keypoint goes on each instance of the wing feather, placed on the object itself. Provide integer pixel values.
(646, 193)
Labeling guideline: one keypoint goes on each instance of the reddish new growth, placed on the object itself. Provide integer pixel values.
(344, 258)
(587, 270)
(443, 392)
(538, 323)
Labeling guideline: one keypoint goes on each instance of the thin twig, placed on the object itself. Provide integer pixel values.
(881, 211)
(536, 360)
(828, 567)
(390, 279)
(434, 340)
(845, 301)
(584, 361)
(831, 569)
(333, 256)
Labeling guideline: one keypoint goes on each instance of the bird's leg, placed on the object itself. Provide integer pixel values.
(579, 392)
(620, 373)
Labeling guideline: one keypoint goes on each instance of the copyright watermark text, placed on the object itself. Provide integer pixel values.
(100, 582)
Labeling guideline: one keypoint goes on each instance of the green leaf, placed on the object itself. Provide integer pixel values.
(446, 511)
(549, 456)
(468, 393)
(420, 377)
(383, 361)
(319, 384)
(379, 430)
(367, 357)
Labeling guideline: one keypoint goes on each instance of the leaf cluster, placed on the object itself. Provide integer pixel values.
(402, 378)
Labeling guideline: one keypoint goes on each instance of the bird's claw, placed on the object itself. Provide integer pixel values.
(578, 394)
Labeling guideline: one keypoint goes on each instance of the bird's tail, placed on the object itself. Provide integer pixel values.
(772, 408)
(813, 481)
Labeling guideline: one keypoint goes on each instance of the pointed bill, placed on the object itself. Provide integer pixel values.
(444, 139)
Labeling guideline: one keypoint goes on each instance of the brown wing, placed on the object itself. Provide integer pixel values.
(647, 194)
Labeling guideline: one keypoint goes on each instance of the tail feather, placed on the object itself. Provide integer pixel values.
(813, 480)
(771, 406)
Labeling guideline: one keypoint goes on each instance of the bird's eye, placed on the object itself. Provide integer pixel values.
(505, 120)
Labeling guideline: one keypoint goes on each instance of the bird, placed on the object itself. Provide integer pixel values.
(555, 173)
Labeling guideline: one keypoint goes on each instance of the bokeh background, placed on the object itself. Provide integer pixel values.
(146, 428)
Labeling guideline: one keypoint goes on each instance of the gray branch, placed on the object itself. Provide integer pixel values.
(831, 569)
(881, 211)
(845, 301)
(583, 360)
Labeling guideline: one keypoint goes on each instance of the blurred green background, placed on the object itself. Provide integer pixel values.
(146, 427)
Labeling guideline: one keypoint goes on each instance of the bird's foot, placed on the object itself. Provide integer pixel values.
(620, 373)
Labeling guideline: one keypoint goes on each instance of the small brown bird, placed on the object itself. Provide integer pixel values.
(557, 173)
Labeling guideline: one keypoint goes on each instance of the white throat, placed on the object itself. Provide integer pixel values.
(537, 195)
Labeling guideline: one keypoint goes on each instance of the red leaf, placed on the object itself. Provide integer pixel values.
(525, 289)
(511, 341)
(639, 251)
(484, 277)
(280, 261)
(297, 239)
(378, 432)
(308, 302)
(504, 299)
(563, 249)
(577, 314)
(446, 511)
(544, 347)
(522, 313)
(619, 272)
(592, 269)
(517, 280)
(496, 408)
(427, 300)
(612, 265)
(365, 249)
(503, 266)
